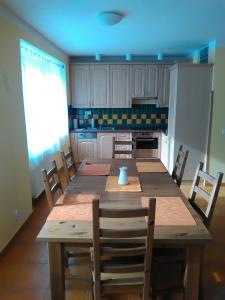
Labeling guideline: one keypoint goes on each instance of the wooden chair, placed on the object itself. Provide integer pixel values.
(179, 166)
(175, 258)
(52, 184)
(53, 190)
(123, 149)
(69, 164)
(210, 198)
(115, 269)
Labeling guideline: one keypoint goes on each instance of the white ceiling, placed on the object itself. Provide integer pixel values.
(149, 27)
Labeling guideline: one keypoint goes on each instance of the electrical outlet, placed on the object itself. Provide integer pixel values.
(16, 215)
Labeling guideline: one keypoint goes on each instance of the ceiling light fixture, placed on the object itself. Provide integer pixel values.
(109, 18)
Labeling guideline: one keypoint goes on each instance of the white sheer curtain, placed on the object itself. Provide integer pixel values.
(45, 105)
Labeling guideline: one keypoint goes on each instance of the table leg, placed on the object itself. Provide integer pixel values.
(57, 271)
(194, 255)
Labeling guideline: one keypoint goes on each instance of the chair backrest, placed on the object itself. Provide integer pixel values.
(123, 149)
(210, 198)
(69, 165)
(103, 265)
(52, 183)
(179, 166)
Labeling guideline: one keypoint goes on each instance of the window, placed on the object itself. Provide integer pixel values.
(45, 104)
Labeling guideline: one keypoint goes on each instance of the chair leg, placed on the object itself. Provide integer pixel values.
(66, 259)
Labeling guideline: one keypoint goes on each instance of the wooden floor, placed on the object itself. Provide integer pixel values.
(24, 265)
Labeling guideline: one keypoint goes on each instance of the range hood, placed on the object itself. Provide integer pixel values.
(144, 100)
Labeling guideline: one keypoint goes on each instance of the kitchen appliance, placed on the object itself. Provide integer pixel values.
(146, 144)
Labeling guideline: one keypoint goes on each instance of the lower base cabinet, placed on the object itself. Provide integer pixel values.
(87, 149)
(105, 145)
(165, 151)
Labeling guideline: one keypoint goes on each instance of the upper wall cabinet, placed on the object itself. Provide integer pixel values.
(100, 85)
(164, 86)
(80, 85)
(99, 79)
(114, 85)
(145, 80)
(89, 85)
(120, 86)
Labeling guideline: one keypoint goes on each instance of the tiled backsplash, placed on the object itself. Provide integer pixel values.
(139, 116)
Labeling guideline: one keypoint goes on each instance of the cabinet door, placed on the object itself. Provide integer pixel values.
(152, 81)
(120, 95)
(138, 81)
(165, 151)
(164, 91)
(105, 145)
(73, 143)
(99, 78)
(80, 85)
(87, 149)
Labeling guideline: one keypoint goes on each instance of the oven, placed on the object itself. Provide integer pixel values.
(146, 145)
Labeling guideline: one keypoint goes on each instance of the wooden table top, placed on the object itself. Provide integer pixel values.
(152, 184)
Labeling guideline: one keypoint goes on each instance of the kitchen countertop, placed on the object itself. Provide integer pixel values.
(78, 130)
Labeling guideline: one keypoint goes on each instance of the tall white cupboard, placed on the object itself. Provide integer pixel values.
(189, 114)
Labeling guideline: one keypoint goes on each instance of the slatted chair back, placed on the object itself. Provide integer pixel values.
(179, 166)
(136, 275)
(52, 184)
(123, 149)
(69, 165)
(209, 198)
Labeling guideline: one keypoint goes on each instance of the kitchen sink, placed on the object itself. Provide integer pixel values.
(101, 128)
(106, 128)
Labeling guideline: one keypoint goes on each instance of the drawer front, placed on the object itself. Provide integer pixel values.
(126, 136)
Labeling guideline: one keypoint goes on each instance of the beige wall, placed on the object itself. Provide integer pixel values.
(217, 141)
(15, 190)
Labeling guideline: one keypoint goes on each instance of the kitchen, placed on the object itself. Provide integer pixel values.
(173, 72)
(142, 108)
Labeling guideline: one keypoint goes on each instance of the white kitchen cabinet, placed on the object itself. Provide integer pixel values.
(120, 95)
(99, 86)
(189, 113)
(145, 80)
(164, 150)
(105, 144)
(138, 80)
(87, 149)
(152, 80)
(80, 85)
(164, 86)
(73, 143)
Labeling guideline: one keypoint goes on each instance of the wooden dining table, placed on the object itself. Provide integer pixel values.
(66, 232)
